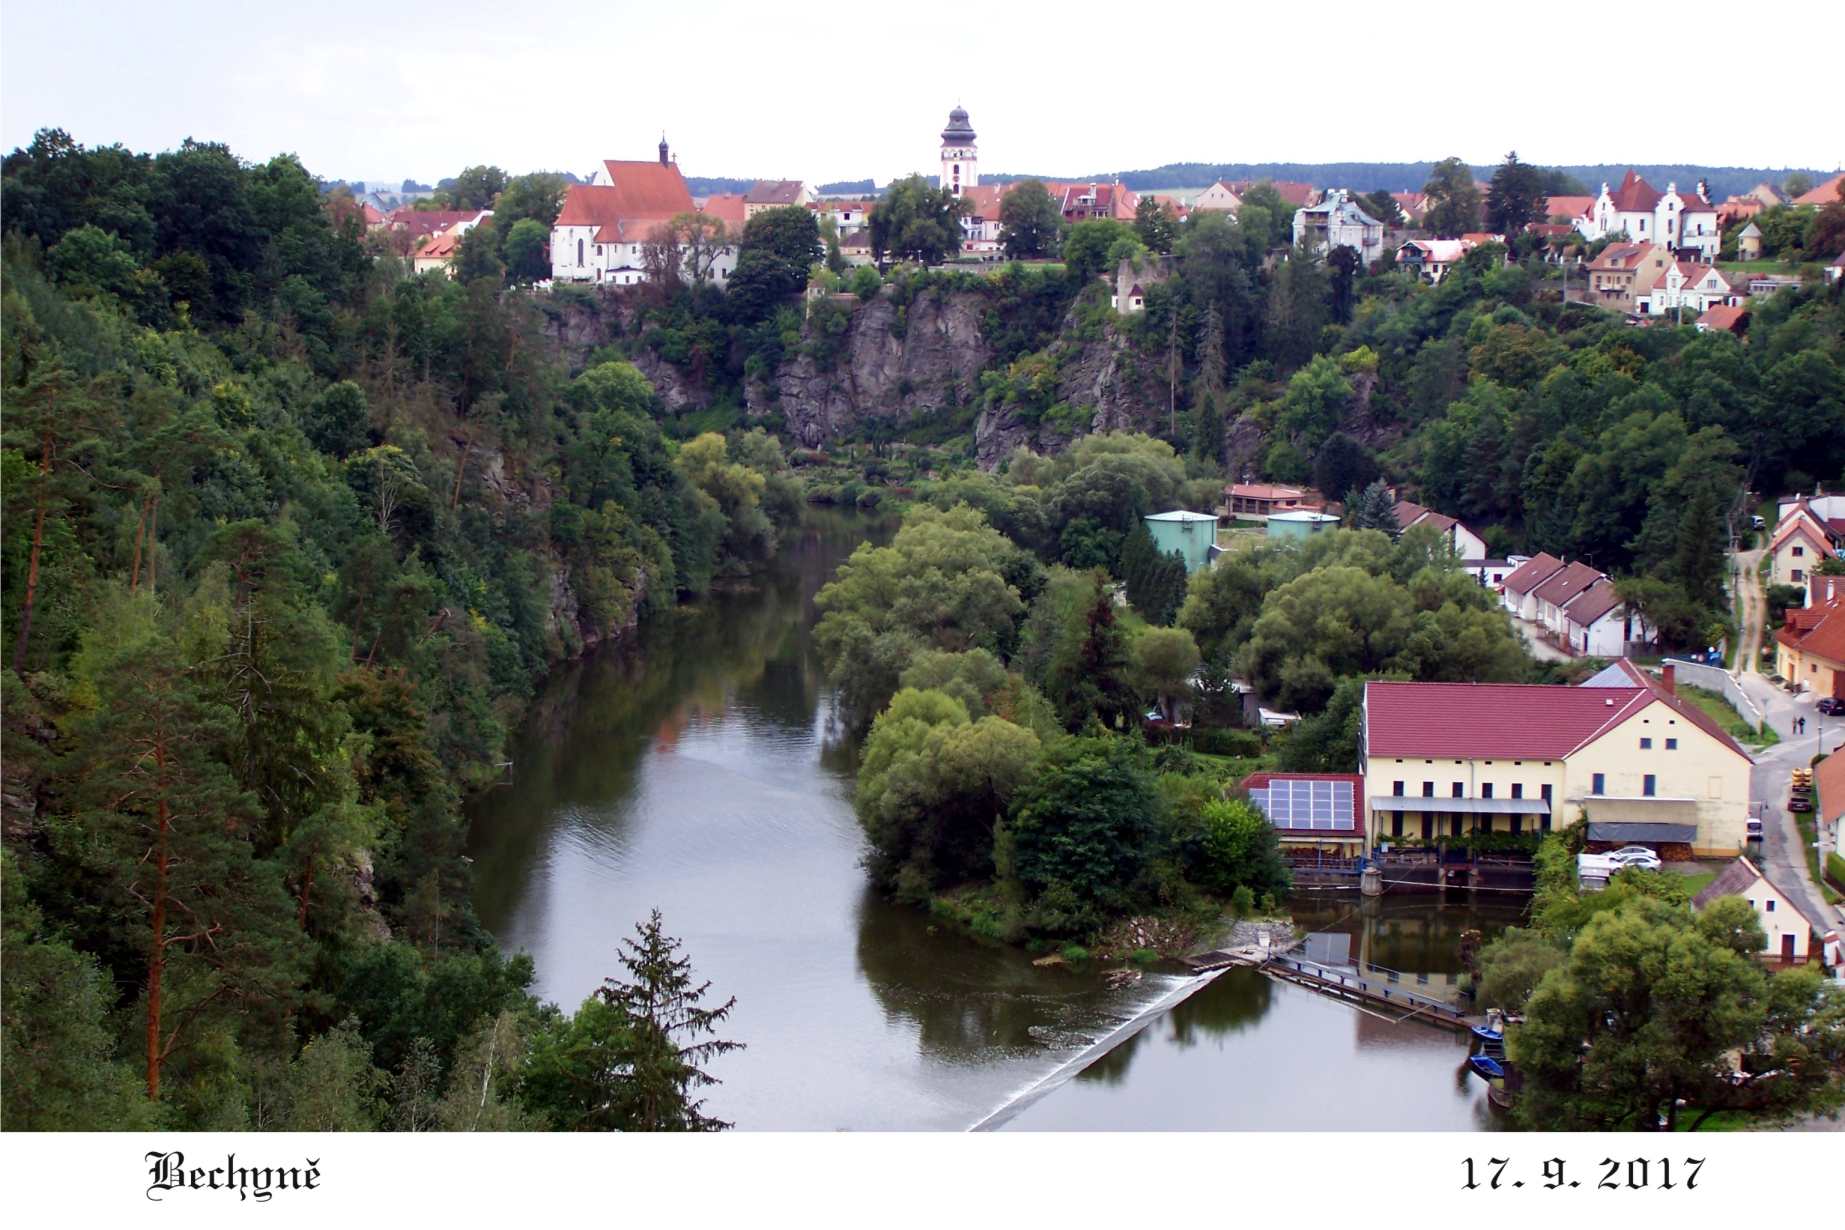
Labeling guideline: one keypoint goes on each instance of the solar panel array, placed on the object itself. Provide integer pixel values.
(1293, 804)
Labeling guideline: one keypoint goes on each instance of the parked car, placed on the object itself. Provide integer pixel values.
(1831, 705)
(1636, 856)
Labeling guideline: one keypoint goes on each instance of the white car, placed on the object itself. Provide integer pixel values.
(1635, 856)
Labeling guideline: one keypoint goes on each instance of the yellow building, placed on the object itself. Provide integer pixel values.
(1810, 647)
(1788, 932)
(1799, 545)
(1444, 761)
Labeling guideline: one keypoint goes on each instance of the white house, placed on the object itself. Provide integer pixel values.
(1788, 931)
(1687, 288)
(1219, 196)
(1518, 592)
(1335, 222)
(1598, 624)
(604, 226)
(1467, 544)
(1430, 259)
(1559, 591)
(1683, 222)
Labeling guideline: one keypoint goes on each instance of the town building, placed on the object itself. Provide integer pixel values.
(604, 226)
(1445, 760)
(1749, 243)
(1787, 931)
(1804, 538)
(1518, 592)
(1258, 501)
(960, 156)
(1823, 194)
(1430, 259)
(1467, 544)
(1685, 287)
(775, 194)
(1626, 272)
(1722, 318)
(1336, 222)
(1810, 648)
(1748, 204)
(1685, 223)
(438, 251)
(1220, 197)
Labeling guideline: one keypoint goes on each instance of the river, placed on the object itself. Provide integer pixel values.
(699, 770)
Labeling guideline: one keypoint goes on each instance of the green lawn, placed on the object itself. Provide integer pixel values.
(1764, 266)
(1695, 883)
(1728, 718)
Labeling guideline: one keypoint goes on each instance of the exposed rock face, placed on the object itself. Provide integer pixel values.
(897, 362)
(1115, 386)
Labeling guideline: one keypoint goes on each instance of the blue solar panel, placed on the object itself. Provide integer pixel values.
(1296, 804)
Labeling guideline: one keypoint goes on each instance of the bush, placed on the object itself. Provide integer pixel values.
(1243, 901)
(1227, 741)
(1143, 956)
(1075, 954)
(1835, 871)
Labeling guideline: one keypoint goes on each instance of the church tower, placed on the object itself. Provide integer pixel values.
(960, 160)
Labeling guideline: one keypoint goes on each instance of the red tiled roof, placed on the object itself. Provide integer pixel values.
(1440, 521)
(727, 208)
(640, 196)
(1568, 206)
(1822, 194)
(774, 192)
(1619, 257)
(428, 221)
(1691, 713)
(1532, 573)
(1803, 520)
(1741, 876)
(1819, 631)
(1407, 512)
(1829, 776)
(1722, 316)
(1567, 583)
(1635, 195)
(1526, 721)
(1270, 491)
(441, 246)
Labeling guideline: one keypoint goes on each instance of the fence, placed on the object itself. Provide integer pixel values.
(1716, 679)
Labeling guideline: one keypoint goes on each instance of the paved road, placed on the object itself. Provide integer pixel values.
(1783, 855)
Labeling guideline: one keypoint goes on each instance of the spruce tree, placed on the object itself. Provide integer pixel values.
(667, 1024)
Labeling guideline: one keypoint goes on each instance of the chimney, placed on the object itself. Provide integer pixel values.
(1668, 679)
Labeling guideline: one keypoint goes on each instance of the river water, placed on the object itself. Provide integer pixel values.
(699, 770)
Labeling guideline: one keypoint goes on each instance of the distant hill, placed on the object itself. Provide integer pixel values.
(709, 185)
(848, 187)
(1410, 176)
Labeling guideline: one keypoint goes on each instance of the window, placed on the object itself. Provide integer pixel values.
(1518, 790)
(579, 251)
(1645, 743)
(1597, 783)
(1428, 790)
(1647, 784)
(1486, 790)
(1460, 790)
(1800, 550)
(1797, 574)
(1671, 745)
(1768, 906)
(1544, 823)
(1544, 791)
(1396, 789)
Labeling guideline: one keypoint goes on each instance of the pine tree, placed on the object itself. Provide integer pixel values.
(667, 1022)
(1374, 509)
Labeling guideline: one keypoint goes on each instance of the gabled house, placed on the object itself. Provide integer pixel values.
(1749, 243)
(1262, 500)
(1086, 202)
(1220, 197)
(1810, 648)
(1337, 222)
(1685, 223)
(438, 251)
(1802, 541)
(1430, 259)
(1442, 761)
(1518, 592)
(1722, 318)
(1787, 931)
(1625, 272)
(1596, 622)
(775, 194)
(1823, 194)
(1559, 590)
(1467, 544)
(1686, 287)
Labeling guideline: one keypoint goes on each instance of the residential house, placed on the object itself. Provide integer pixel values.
(775, 194)
(1749, 243)
(1312, 813)
(1086, 202)
(846, 215)
(1687, 287)
(438, 251)
(1597, 623)
(1723, 318)
(1802, 540)
(728, 208)
(1220, 197)
(1491, 573)
(1823, 194)
(1735, 208)
(1467, 544)
(1430, 259)
(1557, 592)
(604, 226)
(1415, 205)
(1625, 272)
(1445, 760)
(1829, 789)
(1810, 648)
(1518, 592)
(1573, 211)
(1259, 501)
(1336, 222)
(411, 226)
(1787, 931)
(1685, 223)
(1762, 285)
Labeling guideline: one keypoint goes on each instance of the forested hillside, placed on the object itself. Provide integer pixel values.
(290, 537)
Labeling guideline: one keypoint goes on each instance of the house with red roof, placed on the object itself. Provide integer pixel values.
(1823, 194)
(1467, 544)
(1431, 259)
(1803, 539)
(1597, 623)
(1787, 932)
(1559, 590)
(1684, 222)
(603, 229)
(1259, 501)
(1444, 761)
(1518, 592)
(1688, 288)
(1810, 648)
(1220, 197)
(1722, 318)
(1625, 273)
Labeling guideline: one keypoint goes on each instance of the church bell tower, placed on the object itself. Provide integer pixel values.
(960, 159)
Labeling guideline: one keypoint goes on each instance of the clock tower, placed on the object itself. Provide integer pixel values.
(960, 159)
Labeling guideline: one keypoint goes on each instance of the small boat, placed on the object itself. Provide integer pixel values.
(1486, 1033)
(1488, 1067)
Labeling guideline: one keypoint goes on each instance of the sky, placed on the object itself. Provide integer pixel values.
(828, 92)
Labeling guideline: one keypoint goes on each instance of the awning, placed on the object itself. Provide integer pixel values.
(1641, 830)
(1488, 807)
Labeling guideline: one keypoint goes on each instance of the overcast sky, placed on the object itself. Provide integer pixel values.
(823, 92)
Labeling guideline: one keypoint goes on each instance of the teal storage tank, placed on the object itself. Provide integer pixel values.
(1192, 535)
(1294, 525)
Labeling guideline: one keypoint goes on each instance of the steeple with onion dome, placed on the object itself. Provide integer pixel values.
(960, 158)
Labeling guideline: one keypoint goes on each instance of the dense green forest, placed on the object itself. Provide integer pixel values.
(290, 537)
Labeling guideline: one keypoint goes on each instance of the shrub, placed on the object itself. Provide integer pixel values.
(1227, 741)
(1074, 953)
(1243, 901)
(1143, 956)
(1835, 871)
